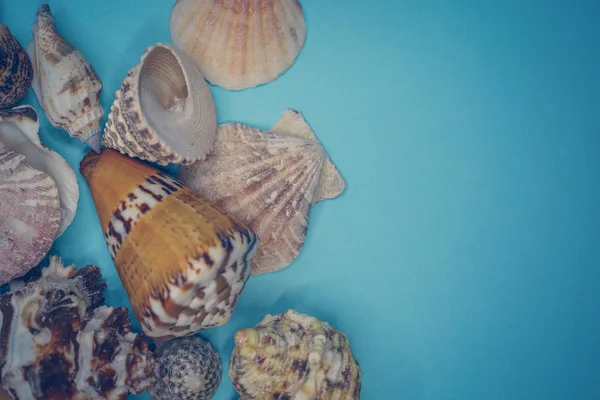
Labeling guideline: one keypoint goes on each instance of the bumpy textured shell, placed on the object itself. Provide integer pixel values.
(16, 71)
(164, 111)
(29, 215)
(269, 181)
(295, 357)
(239, 44)
(182, 261)
(191, 370)
(58, 343)
(65, 84)
(19, 128)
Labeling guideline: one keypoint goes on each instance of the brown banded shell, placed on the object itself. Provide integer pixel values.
(16, 71)
(182, 261)
(65, 84)
(164, 111)
(294, 356)
(269, 180)
(239, 44)
(29, 215)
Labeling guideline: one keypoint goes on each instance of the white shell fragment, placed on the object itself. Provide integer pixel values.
(29, 215)
(239, 44)
(65, 84)
(269, 180)
(19, 132)
(164, 111)
(294, 356)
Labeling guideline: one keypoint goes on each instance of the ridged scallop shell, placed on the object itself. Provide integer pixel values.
(19, 132)
(59, 343)
(182, 261)
(239, 44)
(164, 111)
(191, 370)
(16, 71)
(29, 215)
(65, 84)
(296, 357)
(269, 181)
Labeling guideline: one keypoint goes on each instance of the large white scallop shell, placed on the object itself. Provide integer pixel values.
(65, 84)
(269, 180)
(19, 133)
(239, 44)
(29, 215)
(164, 111)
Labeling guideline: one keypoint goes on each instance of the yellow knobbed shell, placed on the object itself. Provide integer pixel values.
(294, 356)
(182, 261)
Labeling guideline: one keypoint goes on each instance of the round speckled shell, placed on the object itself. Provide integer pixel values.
(29, 215)
(191, 370)
(164, 111)
(239, 44)
(294, 356)
(16, 71)
(182, 261)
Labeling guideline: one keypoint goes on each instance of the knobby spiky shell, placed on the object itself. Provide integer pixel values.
(164, 111)
(269, 181)
(294, 356)
(16, 71)
(239, 44)
(29, 215)
(58, 343)
(191, 369)
(19, 132)
(182, 261)
(65, 84)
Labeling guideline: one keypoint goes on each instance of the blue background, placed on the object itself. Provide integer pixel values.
(463, 260)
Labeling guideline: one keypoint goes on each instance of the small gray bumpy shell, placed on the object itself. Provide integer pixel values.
(16, 70)
(191, 370)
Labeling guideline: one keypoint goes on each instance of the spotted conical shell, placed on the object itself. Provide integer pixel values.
(16, 71)
(269, 180)
(294, 356)
(65, 84)
(29, 215)
(182, 261)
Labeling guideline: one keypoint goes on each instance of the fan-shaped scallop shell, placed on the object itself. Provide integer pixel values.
(29, 215)
(19, 132)
(294, 356)
(58, 342)
(182, 261)
(16, 71)
(164, 111)
(191, 370)
(239, 44)
(269, 180)
(65, 84)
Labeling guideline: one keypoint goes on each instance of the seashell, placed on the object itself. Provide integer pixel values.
(164, 111)
(269, 181)
(65, 84)
(193, 370)
(16, 71)
(59, 342)
(19, 132)
(294, 356)
(182, 261)
(239, 44)
(29, 215)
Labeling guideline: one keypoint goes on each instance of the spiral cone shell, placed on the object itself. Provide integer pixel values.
(164, 111)
(296, 357)
(182, 261)
(16, 71)
(65, 84)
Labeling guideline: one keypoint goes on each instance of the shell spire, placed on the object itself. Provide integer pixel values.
(182, 261)
(65, 84)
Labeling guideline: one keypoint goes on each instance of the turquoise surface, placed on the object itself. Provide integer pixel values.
(463, 259)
